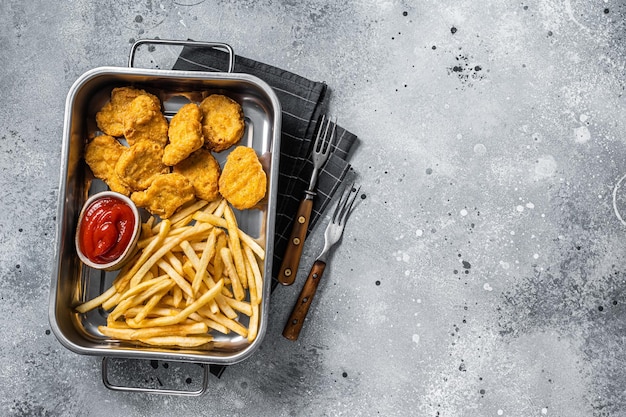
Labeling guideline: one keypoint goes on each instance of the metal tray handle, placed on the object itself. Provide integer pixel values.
(216, 45)
(109, 385)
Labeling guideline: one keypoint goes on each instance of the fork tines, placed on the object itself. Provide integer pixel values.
(344, 206)
(323, 141)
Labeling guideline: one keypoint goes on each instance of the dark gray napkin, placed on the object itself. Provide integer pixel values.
(303, 102)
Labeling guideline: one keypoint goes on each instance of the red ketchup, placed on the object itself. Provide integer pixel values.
(106, 229)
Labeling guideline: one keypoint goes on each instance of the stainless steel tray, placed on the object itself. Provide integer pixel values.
(73, 282)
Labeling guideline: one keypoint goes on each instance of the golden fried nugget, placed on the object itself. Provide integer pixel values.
(101, 154)
(139, 164)
(243, 182)
(143, 120)
(110, 118)
(185, 134)
(165, 195)
(203, 171)
(222, 122)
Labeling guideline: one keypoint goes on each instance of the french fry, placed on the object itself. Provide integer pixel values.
(182, 222)
(219, 211)
(232, 273)
(212, 206)
(207, 280)
(149, 332)
(252, 244)
(240, 306)
(225, 291)
(117, 325)
(178, 230)
(255, 283)
(165, 321)
(116, 332)
(182, 283)
(214, 325)
(153, 271)
(118, 282)
(253, 325)
(176, 330)
(175, 262)
(222, 305)
(96, 302)
(159, 232)
(146, 254)
(159, 310)
(196, 246)
(211, 219)
(150, 305)
(119, 310)
(251, 282)
(146, 229)
(235, 246)
(207, 255)
(169, 302)
(111, 302)
(231, 324)
(200, 231)
(177, 218)
(177, 297)
(141, 287)
(180, 341)
(190, 252)
(104, 297)
(136, 280)
(218, 264)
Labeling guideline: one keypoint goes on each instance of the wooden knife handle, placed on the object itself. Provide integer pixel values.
(291, 260)
(301, 308)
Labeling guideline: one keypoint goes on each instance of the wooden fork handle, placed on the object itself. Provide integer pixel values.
(291, 260)
(301, 308)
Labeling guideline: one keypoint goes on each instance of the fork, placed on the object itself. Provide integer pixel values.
(295, 245)
(333, 233)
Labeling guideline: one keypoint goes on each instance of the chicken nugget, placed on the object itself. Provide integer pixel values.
(203, 171)
(139, 164)
(185, 134)
(110, 119)
(243, 182)
(165, 195)
(222, 122)
(144, 121)
(101, 154)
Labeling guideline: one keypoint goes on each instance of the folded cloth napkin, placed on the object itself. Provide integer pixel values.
(303, 102)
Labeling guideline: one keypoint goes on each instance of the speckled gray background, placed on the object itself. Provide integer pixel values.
(482, 274)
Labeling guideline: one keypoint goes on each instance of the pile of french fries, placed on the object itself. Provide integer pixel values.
(194, 273)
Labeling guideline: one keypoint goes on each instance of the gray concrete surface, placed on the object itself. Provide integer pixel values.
(482, 274)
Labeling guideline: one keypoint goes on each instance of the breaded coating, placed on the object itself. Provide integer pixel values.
(165, 195)
(110, 119)
(143, 120)
(101, 154)
(222, 122)
(139, 164)
(203, 171)
(243, 182)
(185, 134)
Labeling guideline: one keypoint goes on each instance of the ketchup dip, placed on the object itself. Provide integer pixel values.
(106, 229)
